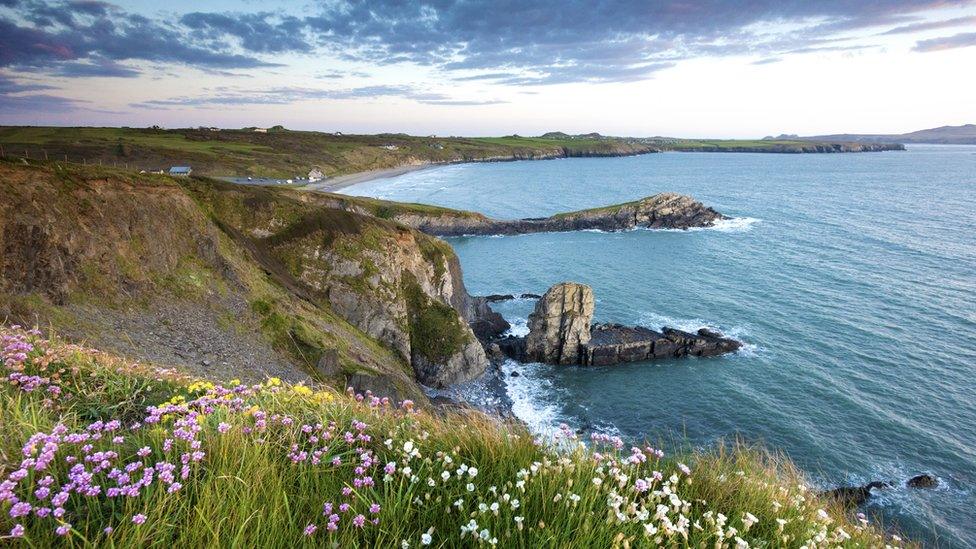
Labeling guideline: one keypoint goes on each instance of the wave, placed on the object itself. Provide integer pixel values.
(533, 396)
(519, 327)
(735, 224)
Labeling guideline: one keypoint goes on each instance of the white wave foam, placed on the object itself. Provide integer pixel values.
(735, 224)
(532, 395)
(519, 327)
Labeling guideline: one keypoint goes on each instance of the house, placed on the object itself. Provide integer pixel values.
(315, 174)
(181, 171)
(389, 147)
(261, 130)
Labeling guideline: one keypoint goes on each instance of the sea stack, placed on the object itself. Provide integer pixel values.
(561, 332)
(560, 324)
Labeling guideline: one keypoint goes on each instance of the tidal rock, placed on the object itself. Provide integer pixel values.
(854, 496)
(495, 298)
(613, 343)
(530, 296)
(924, 480)
(560, 325)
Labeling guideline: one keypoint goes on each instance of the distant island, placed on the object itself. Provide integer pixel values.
(277, 152)
(943, 135)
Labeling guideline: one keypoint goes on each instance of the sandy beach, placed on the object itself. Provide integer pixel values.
(333, 184)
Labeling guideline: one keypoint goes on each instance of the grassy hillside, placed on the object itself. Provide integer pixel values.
(227, 280)
(98, 451)
(289, 154)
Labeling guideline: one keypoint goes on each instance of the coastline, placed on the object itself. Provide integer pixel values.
(339, 182)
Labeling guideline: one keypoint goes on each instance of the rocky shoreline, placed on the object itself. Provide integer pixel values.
(561, 332)
(660, 211)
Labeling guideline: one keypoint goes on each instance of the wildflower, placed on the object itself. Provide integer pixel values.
(310, 529)
(748, 520)
(359, 521)
(223, 427)
(139, 519)
(684, 469)
(17, 531)
(470, 487)
(374, 508)
(473, 472)
(426, 539)
(144, 451)
(108, 530)
(63, 529)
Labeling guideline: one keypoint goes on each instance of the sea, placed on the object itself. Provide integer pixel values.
(851, 278)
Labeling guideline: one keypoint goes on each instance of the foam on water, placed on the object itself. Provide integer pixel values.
(531, 393)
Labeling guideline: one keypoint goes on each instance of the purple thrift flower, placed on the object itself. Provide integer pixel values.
(63, 529)
(223, 427)
(108, 530)
(17, 531)
(310, 529)
(374, 508)
(139, 519)
(359, 521)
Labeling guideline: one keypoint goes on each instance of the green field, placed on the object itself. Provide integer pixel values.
(290, 154)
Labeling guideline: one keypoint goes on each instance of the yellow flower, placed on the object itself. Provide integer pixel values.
(273, 382)
(301, 390)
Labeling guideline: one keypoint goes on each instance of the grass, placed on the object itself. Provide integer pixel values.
(267, 465)
(289, 154)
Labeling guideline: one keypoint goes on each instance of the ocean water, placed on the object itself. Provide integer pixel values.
(851, 277)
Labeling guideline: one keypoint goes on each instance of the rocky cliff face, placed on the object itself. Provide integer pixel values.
(559, 327)
(400, 286)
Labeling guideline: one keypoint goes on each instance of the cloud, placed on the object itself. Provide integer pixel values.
(35, 103)
(767, 61)
(42, 37)
(98, 67)
(932, 25)
(503, 42)
(289, 95)
(9, 85)
(961, 40)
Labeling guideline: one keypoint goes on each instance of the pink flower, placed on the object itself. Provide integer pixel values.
(359, 521)
(17, 531)
(374, 508)
(63, 529)
(223, 427)
(310, 529)
(139, 519)
(108, 530)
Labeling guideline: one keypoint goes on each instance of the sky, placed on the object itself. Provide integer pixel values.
(683, 68)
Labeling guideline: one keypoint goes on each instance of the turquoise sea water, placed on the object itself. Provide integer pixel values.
(851, 277)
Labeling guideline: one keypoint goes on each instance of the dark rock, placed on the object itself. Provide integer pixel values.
(328, 364)
(853, 496)
(515, 373)
(379, 385)
(530, 296)
(924, 480)
(613, 343)
(495, 298)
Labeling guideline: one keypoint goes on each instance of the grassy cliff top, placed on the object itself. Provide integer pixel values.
(289, 154)
(99, 451)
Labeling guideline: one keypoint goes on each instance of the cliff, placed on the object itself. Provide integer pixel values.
(660, 211)
(233, 282)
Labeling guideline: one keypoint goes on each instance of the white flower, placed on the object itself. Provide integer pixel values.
(445, 475)
(470, 487)
(515, 504)
(408, 446)
(473, 472)
(484, 534)
(684, 468)
(597, 481)
(404, 544)
(741, 543)
(426, 538)
(748, 520)
(494, 507)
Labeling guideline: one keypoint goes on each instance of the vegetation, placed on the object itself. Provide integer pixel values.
(288, 154)
(99, 451)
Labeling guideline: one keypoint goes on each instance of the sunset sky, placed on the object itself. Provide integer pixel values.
(640, 68)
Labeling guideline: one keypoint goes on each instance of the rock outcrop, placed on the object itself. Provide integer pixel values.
(853, 496)
(561, 332)
(560, 325)
(924, 480)
(660, 211)
(613, 343)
